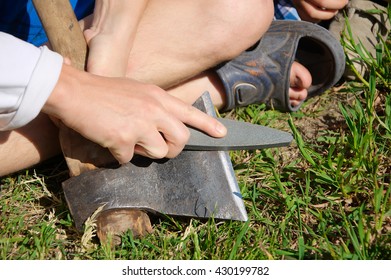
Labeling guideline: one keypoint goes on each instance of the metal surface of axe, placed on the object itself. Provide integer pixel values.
(194, 184)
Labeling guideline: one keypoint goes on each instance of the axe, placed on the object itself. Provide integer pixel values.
(81, 155)
(200, 182)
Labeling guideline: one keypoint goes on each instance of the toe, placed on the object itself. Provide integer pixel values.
(300, 81)
(297, 96)
(300, 77)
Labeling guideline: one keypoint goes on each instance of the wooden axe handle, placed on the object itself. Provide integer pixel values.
(63, 30)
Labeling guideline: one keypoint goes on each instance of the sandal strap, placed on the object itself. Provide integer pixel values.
(261, 74)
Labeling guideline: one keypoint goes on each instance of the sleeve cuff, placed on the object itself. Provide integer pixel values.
(43, 80)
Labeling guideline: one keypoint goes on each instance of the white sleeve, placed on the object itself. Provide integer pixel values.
(28, 75)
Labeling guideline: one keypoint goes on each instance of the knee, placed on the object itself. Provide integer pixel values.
(242, 24)
(251, 18)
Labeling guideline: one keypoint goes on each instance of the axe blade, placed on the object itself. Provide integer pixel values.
(194, 184)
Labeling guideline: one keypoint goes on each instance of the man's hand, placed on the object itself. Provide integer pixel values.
(126, 116)
(318, 10)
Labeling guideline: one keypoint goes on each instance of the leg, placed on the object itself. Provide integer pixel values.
(224, 35)
(172, 36)
(27, 146)
(179, 39)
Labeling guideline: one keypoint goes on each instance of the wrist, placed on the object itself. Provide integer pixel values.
(63, 97)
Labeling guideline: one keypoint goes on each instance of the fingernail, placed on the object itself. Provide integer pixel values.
(221, 129)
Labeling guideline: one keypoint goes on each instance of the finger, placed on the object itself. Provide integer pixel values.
(122, 154)
(329, 4)
(196, 118)
(176, 135)
(313, 11)
(320, 14)
(140, 150)
(152, 145)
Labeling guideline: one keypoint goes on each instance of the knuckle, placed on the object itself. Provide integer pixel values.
(122, 138)
(154, 90)
(161, 152)
(174, 150)
(122, 155)
(176, 147)
(189, 112)
(185, 136)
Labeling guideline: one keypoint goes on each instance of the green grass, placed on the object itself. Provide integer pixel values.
(327, 196)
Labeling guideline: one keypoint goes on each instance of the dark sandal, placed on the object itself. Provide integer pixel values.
(261, 74)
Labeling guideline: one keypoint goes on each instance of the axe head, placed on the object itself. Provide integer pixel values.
(194, 184)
